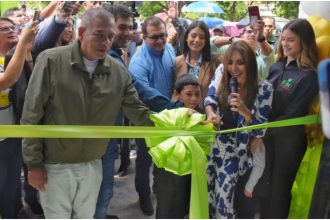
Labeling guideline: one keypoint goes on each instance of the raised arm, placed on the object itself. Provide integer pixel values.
(16, 64)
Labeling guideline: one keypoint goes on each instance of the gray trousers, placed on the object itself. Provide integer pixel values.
(71, 190)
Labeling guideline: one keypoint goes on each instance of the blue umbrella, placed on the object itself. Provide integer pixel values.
(203, 7)
(212, 22)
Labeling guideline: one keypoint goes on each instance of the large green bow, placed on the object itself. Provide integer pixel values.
(183, 155)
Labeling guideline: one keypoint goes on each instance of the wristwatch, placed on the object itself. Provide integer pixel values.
(261, 39)
(231, 40)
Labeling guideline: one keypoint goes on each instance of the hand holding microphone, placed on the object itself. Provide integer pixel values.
(236, 103)
(233, 85)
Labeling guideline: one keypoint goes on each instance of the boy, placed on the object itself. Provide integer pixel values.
(188, 90)
(172, 191)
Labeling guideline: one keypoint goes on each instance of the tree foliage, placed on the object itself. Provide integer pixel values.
(150, 8)
(234, 10)
(287, 9)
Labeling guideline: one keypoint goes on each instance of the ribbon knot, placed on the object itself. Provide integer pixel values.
(183, 154)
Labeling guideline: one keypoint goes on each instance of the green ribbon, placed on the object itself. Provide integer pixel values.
(183, 155)
(178, 143)
(83, 131)
(303, 186)
(306, 120)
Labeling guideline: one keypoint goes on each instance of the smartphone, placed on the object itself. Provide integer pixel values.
(36, 16)
(324, 85)
(254, 14)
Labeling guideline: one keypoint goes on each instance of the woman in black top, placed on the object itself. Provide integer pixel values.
(295, 86)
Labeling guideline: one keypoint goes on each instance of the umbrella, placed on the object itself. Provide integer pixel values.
(243, 23)
(211, 22)
(232, 30)
(203, 7)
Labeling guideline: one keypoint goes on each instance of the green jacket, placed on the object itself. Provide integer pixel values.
(61, 92)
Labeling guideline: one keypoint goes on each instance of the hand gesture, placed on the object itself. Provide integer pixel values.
(248, 193)
(29, 34)
(213, 117)
(259, 28)
(171, 34)
(237, 105)
(38, 178)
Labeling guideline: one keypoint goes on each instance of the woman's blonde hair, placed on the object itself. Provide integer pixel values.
(307, 58)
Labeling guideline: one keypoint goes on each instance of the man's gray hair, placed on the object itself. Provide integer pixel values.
(91, 15)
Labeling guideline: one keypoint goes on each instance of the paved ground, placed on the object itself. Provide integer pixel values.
(125, 200)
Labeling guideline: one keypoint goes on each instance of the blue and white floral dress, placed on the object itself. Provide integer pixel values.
(230, 157)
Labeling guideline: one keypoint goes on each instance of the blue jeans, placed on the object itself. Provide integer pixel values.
(108, 167)
(10, 173)
(106, 190)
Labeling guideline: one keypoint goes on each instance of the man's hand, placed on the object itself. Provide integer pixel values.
(259, 28)
(29, 33)
(38, 178)
(171, 34)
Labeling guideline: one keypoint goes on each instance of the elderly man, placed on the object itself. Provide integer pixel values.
(77, 84)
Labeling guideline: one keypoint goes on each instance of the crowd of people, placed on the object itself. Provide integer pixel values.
(105, 68)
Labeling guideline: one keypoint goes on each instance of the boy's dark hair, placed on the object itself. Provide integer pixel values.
(185, 80)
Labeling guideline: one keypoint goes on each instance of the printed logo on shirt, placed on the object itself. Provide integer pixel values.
(286, 84)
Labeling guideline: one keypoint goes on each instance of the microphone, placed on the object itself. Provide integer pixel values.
(233, 85)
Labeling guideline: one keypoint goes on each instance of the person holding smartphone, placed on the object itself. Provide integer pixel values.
(254, 35)
(15, 60)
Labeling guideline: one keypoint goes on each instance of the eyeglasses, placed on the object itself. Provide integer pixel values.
(156, 37)
(102, 37)
(8, 28)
